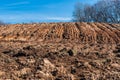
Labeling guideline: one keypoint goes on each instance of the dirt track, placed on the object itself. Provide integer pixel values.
(60, 51)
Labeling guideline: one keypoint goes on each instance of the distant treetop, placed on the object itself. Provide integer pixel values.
(103, 11)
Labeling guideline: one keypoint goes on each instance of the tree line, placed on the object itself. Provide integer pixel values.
(103, 11)
(2, 23)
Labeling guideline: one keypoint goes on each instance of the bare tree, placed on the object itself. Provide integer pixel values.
(2, 23)
(102, 11)
(78, 14)
(117, 9)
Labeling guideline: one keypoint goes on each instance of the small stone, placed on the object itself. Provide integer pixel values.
(115, 65)
(2, 73)
(48, 63)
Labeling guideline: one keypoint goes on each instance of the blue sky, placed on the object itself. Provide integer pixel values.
(18, 11)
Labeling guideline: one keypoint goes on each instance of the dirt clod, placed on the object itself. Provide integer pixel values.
(60, 51)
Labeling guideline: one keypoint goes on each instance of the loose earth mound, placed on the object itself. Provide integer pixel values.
(77, 32)
(60, 51)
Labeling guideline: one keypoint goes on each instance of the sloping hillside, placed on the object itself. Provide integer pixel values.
(51, 51)
(78, 32)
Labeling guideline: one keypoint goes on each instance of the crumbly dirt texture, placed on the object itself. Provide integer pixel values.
(60, 51)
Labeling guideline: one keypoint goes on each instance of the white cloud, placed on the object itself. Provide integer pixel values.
(18, 3)
(13, 5)
(18, 18)
(58, 18)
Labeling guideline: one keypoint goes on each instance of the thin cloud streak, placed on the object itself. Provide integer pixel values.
(18, 3)
(58, 18)
(29, 17)
(13, 5)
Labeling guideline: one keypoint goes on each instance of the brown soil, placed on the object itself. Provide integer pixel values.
(60, 51)
(57, 32)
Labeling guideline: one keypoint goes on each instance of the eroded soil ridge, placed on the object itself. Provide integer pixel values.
(79, 32)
